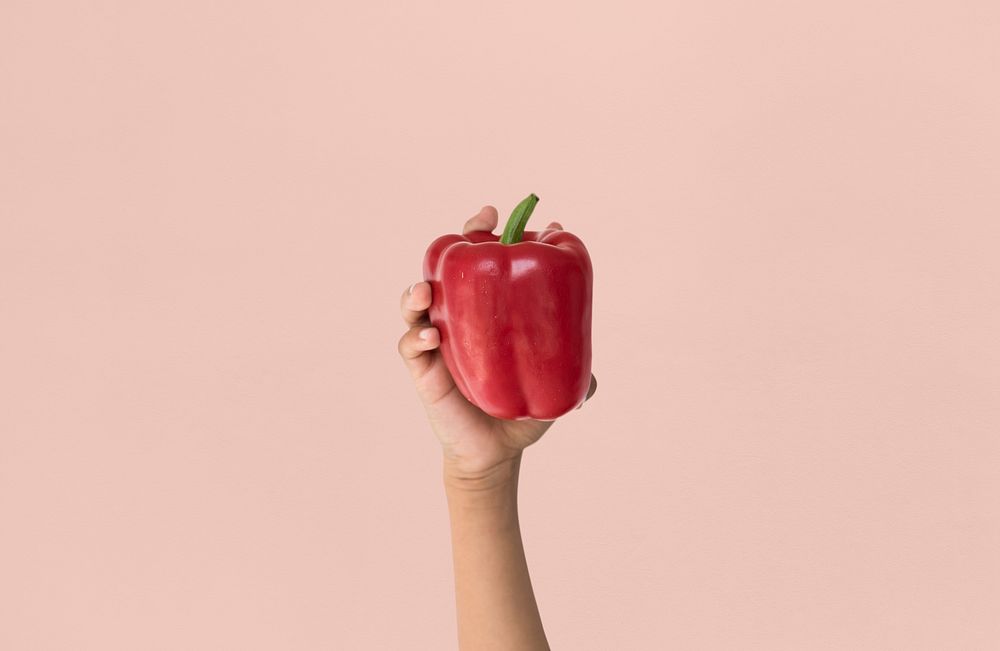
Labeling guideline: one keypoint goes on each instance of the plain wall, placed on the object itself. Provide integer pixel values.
(208, 212)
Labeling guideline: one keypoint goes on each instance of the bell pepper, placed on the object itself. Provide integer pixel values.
(514, 314)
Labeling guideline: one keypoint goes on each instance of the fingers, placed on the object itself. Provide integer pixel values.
(421, 336)
(414, 343)
(485, 220)
(591, 391)
(414, 302)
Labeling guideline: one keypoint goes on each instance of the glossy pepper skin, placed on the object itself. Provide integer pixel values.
(515, 320)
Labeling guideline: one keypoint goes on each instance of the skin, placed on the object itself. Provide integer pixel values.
(481, 463)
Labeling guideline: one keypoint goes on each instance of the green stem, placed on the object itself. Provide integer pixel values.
(514, 231)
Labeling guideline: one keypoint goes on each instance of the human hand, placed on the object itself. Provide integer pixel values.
(477, 447)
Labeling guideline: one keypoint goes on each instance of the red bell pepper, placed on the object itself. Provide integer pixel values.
(514, 313)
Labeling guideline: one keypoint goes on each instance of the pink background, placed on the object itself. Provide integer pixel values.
(208, 212)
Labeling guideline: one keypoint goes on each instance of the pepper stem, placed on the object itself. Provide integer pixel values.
(513, 232)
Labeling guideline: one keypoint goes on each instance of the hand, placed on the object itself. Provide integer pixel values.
(476, 445)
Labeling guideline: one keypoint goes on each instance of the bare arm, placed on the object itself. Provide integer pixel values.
(496, 605)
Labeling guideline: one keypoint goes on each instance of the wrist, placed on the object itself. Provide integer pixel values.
(499, 479)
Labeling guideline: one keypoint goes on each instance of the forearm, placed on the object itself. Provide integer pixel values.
(495, 603)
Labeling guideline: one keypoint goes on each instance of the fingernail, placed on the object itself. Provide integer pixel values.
(410, 290)
(425, 334)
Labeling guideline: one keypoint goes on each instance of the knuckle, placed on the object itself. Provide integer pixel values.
(403, 345)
